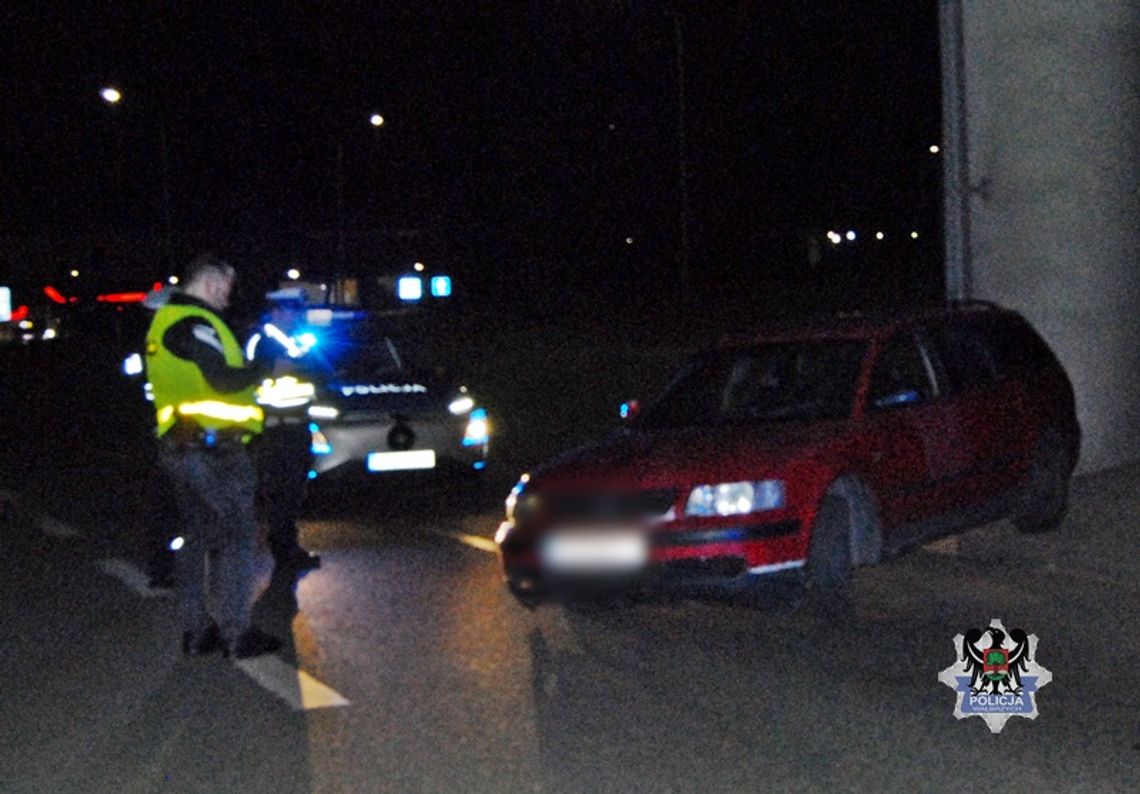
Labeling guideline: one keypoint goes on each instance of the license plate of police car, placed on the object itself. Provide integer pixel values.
(405, 460)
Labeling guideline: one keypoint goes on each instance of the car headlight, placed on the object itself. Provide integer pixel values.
(461, 405)
(323, 411)
(478, 430)
(735, 498)
(133, 365)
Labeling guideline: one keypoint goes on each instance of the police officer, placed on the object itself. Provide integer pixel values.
(206, 415)
(284, 450)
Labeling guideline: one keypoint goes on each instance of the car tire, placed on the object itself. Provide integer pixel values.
(1045, 499)
(829, 554)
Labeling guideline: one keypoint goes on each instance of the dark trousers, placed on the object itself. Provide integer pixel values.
(214, 489)
(284, 455)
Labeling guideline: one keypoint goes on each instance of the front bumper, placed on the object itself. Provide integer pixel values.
(721, 555)
(397, 447)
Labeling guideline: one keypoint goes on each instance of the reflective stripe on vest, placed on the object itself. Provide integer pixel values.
(181, 390)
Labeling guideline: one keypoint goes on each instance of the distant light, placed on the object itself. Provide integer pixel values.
(5, 304)
(312, 474)
(440, 286)
(111, 95)
(851, 235)
(419, 267)
(629, 241)
(308, 340)
(133, 365)
(26, 324)
(479, 465)
(878, 235)
(293, 273)
(914, 235)
(834, 237)
(376, 120)
(173, 279)
(613, 127)
(177, 543)
(934, 148)
(48, 334)
(75, 274)
(410, 288)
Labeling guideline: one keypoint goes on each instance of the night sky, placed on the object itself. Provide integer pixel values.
(523, 143)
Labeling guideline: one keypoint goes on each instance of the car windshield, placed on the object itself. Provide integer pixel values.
(763, 383)
(355, 350)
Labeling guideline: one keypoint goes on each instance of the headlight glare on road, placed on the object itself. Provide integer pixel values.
(735, 498)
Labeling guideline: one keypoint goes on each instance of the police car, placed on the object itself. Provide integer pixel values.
(374, 412)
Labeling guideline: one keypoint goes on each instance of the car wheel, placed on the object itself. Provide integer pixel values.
(829, 555)
(1046, 496)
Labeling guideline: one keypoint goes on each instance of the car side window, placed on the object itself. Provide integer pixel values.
(967, 362)
(900, 376)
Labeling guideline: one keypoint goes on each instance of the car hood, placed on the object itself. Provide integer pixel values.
(677, 457)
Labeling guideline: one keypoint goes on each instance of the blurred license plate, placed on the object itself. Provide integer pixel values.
(401, 461)
(595, 551)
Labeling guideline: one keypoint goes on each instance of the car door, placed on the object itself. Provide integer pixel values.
(985, 409)
(908, 442)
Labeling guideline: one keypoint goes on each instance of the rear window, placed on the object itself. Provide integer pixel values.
(1015, 346)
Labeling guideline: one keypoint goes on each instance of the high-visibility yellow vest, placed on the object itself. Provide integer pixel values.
(180, 389)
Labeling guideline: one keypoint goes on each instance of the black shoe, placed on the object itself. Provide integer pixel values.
(203, 644)
(252, 643)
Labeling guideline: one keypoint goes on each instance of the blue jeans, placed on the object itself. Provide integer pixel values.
(214, 489)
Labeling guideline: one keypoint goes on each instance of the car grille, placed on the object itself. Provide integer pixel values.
(609, 506)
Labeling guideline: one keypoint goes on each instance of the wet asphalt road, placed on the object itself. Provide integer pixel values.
(453, 686)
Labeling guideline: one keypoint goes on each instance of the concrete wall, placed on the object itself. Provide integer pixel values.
(1050, 111)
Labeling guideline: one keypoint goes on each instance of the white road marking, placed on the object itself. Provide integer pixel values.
(57, 529)
(950, 546)
(299, 690)
(474, 541)
(132, 577)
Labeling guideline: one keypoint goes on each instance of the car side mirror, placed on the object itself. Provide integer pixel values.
(629, 409)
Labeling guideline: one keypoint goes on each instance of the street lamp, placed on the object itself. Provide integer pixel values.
(112, 96)
(376, 120)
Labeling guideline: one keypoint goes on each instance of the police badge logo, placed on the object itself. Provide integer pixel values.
(996, 675)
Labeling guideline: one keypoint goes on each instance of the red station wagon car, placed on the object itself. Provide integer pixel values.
(814, 448)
